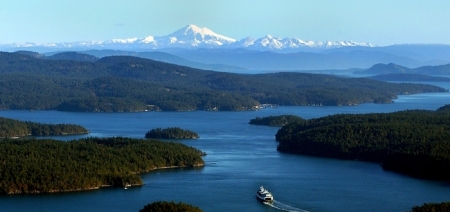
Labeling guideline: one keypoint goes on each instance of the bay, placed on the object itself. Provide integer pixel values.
(241, 157)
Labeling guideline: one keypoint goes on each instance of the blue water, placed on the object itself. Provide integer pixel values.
(241, 157)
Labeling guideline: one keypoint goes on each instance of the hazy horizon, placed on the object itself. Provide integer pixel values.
(380, 23)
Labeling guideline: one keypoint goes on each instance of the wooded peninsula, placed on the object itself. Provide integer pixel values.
(412, 142)
(13, 128)
(276, 121)
(171, 133)
(126, 84)
(47, 166)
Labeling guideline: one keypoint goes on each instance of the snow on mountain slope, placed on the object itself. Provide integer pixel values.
(276, 43)
(193, 36)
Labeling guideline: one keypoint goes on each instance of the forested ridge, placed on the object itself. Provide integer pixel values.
(125, 83)
(15, 128)
(171, 132)
(276, 121)
(413, 142)
(45, 166)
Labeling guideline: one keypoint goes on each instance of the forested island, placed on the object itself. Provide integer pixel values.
(171, 133)
(392, 68)
(413, 142)
(164, 206)
(276, 121)
(47, 166)
(127, 84)
(13, 128)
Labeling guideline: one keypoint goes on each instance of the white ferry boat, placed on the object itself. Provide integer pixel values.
(264, 195)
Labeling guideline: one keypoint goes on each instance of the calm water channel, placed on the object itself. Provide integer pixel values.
(241, 157)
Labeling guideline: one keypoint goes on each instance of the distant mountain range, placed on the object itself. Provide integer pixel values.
(392, 68)
(204, 49)
(193, 37)
(251, 61)
(295, 61)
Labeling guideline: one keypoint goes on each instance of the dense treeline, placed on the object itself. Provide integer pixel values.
(276, 121)
(163, 206)
(412, 142)
(432, 207)
(111, 94)
(171, 132)
(43, 166)
(15, 128)
(124, 83)
(445, 108)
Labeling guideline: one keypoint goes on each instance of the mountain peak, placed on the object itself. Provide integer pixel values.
(193, 36)
(201, 34)
(195, 28)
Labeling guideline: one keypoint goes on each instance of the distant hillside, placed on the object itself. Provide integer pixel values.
(167, 58)
(125, 83)
(430, 54)
(242, 55)
(94, 55)
(393, 68)
(266, 60)
(31, 54)
(60, 56)
(434, 70)
(73, 56)
(385, 69)
(409, 77)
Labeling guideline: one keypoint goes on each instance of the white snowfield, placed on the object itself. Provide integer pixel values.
(193, 36)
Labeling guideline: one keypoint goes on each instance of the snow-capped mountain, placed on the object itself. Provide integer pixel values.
(276, 43)
(193, 37)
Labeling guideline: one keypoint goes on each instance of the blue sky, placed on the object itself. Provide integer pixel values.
(380, 22)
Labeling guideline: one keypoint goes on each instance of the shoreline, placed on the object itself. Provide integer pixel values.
(127, 185)
(31, 135)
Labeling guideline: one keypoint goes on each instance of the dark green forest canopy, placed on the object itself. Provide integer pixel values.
(276, 121)
(432, 207)
(171, 132)
(125, 83)
(15, 128)
(163, 206)
(44, 166)
(445, 108)
(414, 142)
